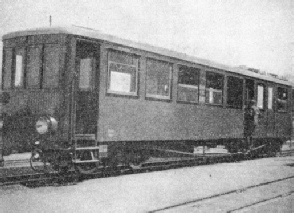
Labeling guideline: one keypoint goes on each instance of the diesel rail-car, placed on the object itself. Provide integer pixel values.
(92, 99)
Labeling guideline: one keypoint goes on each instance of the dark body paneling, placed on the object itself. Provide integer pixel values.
(21, 113)
(283, 125)
(123, 119)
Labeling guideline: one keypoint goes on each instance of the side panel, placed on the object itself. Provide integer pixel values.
(124, 118)
(284, 121)
(131, 120)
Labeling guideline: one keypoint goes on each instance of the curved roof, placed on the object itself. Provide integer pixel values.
(87, 32)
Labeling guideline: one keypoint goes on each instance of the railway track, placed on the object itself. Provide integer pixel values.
(205, 203)
(53, 178)
(39, 179)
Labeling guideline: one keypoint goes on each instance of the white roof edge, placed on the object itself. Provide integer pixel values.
(91, 33)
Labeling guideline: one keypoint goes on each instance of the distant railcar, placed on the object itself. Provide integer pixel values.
(110, 100)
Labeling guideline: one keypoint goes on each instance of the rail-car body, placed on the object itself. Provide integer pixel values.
(110, 100)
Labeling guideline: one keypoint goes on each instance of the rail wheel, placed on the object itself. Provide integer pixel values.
(38, 162)
(87, 168)
(137, 158)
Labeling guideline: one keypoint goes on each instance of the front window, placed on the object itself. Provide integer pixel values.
(19, 68)
(214, 88)
(188, 83)
(33, 67)
(159, 75)
(260, 96)
(7, 68)
(41, 64)
(51, 66)
(282, 99)
(122, 73)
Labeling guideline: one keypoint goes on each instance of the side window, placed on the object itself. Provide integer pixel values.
(293, 102)
(86, 73)
(270, 96)
(6, 81)
(188, 84)
(214, 88)
(33, 67)
(122, 73)
(282, 98)
(19, 68)
(159, 76)
(260, 96)
(51, 67)
(235, 92)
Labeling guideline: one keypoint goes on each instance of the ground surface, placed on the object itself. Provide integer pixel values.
(158, 191)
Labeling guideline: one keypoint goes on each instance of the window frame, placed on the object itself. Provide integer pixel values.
(43, 70)
(242, 92)
(40, 47)
(272, 98)
(4, 58)
(292, 100)
(222, 90)
(171, 71)
(136, 66)
(194, 69)
(25, 48)
(264, 95)
(277, 99)
(22, 82)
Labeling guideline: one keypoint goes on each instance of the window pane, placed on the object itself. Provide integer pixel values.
(123, 70)
(33, 67)
(19, 68)
(235, 92)
(270, 98)
(7, 68)
(158, 78)
(188, 84)
(214, 88)
(293, 102)
(85, 73)
(51, 67)
(260, 96)
(282, 99)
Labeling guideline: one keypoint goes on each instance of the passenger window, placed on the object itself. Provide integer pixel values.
(19, 68)
(122, 73)
(6, 81)
(33, 67)
(188, 84)
(86, 73)
(235, 92)
(270, 98)
(51, 67)
(214, 88)
(293, 102)
(282, 99)
(260, 96)
(159, 76)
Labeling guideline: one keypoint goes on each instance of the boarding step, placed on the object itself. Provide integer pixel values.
(87, 148)
(85, 161)
(85, 137)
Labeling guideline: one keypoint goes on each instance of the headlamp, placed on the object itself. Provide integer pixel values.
(45, 124)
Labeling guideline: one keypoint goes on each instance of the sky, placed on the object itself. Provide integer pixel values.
(255, 33)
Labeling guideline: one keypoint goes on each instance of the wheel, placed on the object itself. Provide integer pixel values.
(87, 168)
(37, 162)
